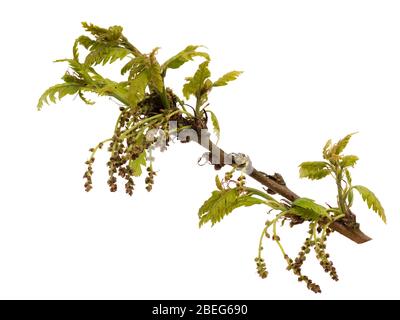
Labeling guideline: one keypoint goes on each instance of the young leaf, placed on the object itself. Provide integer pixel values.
(194, 84)
(348, 176)
(372, 201)
(154, 72)
(93, 29)
(136, 165)
(227, 77)
(310, 204)
(84, 99)
(218, 183)
(338, 148)
(137, 88)
(221, 203)
(128, 66)
(349, 161)
(327, 152)
(105, 54)
(110, 35)
(182, 57)
(350, 198)
(314, 170)
(114, 33)
(135, 66)
(215, 124)
(57, 92)
(306, 214)
(110, 87)
(83, 71)
(274, 205)
(84, 41)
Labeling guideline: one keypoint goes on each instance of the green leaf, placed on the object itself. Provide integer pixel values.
(81, 70)
(215, 124)
(216, 207)
(274, 205)
(349, 161)
(246, 201)
(136, 165)
(310, 204)
(218, 183)
(105, 54)
(188, 89)
(128, 66)
(137, 88)
(372, 201)
(154, 72)
(306, 214)
(348, 176)
(110, 87)
(112, 34)
(84, 99)
(84, 41)
(135, 66)
(221, 203)
(182, 57)
(57, 92)
(350, 198)
(326, 152)
(93, 29)
(339, 147)
(227, 77)
(194, 84)
(314, 170)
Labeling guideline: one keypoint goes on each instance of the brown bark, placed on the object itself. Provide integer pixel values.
(352, 232)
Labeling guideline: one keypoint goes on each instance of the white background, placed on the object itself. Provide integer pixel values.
(313, 70)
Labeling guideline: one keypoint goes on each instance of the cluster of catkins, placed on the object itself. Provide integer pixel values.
(261, 267)
(320, 251)
(323, 257)
(296, 265)
(128, 144)
(150, 178)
